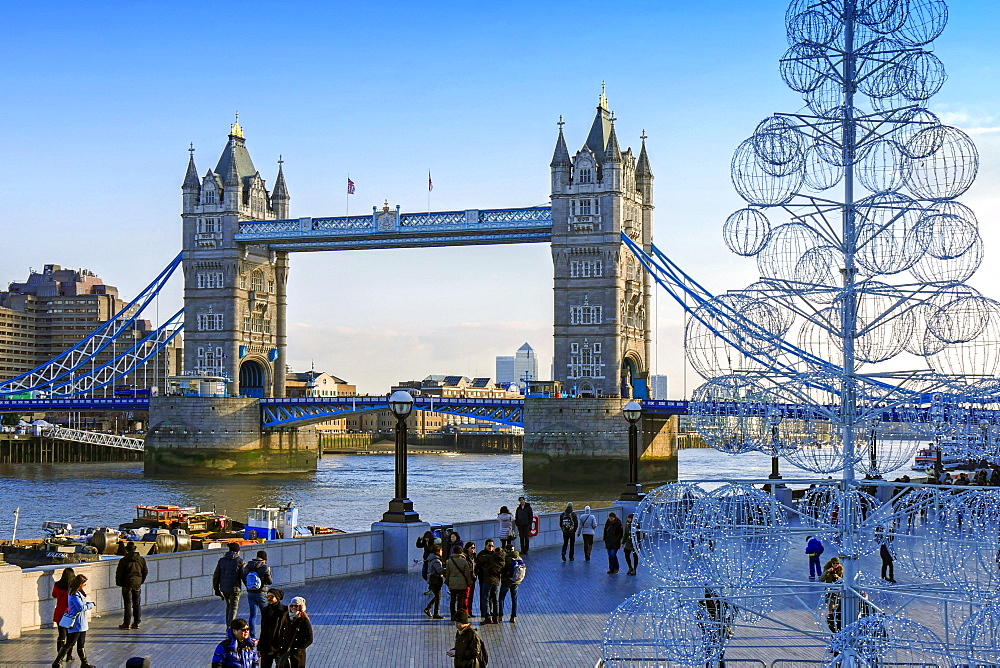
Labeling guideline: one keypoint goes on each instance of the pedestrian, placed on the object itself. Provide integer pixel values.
(629, 543)
(450, 543)
(469, 650)
(814, 548)
(76, 621)
(489, 565)
(613, 533)
(459, 578)
(435, 580)
(588, 527)
(505, 531)
(832, 571)
(129, 575)
(470, 556)
(569, 523)
(514, 570)
(257, 578)
(523, 518)
(887, 567)
(273, 623)
(427, 543)
(239, 649)
(298, 635)
(60, 592)
(227, 581)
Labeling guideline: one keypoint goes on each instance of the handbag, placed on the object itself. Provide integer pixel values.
(512, 534)
(67, 620)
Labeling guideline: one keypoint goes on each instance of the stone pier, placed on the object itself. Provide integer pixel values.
(220, 436)
(584, 441)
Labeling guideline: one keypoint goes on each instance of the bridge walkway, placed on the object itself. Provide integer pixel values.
(95, 438)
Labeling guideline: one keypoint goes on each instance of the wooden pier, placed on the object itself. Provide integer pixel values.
(25, 449)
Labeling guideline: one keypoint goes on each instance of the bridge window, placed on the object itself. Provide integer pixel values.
(208, 196)
(585, 315)
(586, 175)
(257, 281)
(585, 207)
(208, 322)
(209, 225)
(210, 279)
(209, 360)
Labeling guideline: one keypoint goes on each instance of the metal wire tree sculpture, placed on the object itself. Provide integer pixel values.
(864, 254)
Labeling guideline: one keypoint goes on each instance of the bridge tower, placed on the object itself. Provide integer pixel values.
(602, 295)
(234, 294)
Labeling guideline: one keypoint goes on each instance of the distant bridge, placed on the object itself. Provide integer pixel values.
(277, 413)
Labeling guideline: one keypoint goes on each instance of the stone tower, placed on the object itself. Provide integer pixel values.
(602, 294)
(234, 294)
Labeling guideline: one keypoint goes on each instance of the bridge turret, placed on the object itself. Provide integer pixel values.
(280, 197)
(560, 164)
(192, 184)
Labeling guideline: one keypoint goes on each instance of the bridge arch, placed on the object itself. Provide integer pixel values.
(254, 377)
(633, 378)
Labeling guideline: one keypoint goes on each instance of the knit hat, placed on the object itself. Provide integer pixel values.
(234, 547)
(277, 593)
(261, 554)
(462, 617)
(299, 601)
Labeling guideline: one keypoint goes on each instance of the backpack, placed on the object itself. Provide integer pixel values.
(566, 522)
(253, 580)
(517, 571)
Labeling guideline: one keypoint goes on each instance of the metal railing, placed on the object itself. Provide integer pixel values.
(95, 438)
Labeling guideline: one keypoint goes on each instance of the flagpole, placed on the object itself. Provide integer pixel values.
(429, 186)
(347, 197)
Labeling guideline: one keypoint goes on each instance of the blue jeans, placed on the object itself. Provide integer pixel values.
(258, 601)
(613, 559)
(814, 568)
(489, 605)
(512, 588)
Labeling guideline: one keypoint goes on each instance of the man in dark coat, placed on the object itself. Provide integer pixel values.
(469, 650)
(257, 595)
(129, 575)
(613, 532)
(238, 650)
(489, 565)
(273, 628)
(522, 518)
(227, 581)
(569, 523)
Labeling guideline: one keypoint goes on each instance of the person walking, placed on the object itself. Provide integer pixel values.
(513, 574)
(588, 527)
(628, 544)
(227, 581)
(298, 635)
(470, 556)
(435, 580)
(489, 564)
(238, 650)
(523, 517)
(613, 533)
(459, 578)
(569, 523)
(505, 530)
(469, 650)
(273, 623)
(427, 543)
(814, 548)
(887, 568)
(76, 621)
(257, 577)
(60, 592)
(129, 575)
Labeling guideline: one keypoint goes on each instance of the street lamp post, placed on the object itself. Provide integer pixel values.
(400, 508)
(774, 419)
(633, 490)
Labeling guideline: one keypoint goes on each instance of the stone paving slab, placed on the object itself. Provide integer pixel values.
(375, 620)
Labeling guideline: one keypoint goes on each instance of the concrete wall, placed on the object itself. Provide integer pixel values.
(222, 435)
(186, 576)
(581, 441)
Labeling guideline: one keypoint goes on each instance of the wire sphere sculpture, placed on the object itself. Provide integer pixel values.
(879, 639)
(969, 538)
(661, 520)
(979, 635)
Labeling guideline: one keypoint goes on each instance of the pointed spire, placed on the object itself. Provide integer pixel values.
(191, 180)
(642, 170)
(560, 157)
(613, 153)
(232, 175)
(280, 189)
(600, 131)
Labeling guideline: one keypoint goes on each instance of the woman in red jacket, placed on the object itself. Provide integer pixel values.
(60, 592)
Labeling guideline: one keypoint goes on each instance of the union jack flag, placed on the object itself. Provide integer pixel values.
(350, 187)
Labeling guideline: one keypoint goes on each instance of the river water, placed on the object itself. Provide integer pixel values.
(348, 492)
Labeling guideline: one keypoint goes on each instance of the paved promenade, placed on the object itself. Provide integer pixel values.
(375, 620)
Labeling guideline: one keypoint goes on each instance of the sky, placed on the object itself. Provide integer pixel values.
(104, 99)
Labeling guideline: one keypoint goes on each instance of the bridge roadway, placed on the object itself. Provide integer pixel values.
(301, 411)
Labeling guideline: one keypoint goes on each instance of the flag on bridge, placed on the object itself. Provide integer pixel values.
(430, 184)
(350, 186)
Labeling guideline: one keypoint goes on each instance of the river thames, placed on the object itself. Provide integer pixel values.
(347, 492)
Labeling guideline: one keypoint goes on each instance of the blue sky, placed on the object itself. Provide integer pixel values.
(103, 100)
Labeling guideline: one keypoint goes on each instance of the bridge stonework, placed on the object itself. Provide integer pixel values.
(585, 441)
(221, 436)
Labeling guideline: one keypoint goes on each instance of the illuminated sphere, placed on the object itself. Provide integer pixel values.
(660, 521)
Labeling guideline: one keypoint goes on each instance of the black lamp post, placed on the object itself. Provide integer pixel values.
(400, 508)
(633, 490)
(773, 420)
